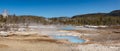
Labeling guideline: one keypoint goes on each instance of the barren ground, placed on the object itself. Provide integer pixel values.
(32, 43)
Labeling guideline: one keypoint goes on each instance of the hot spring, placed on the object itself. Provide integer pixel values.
(56, 34)
(73, 39)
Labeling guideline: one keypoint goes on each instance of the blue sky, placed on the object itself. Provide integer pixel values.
(56, 8)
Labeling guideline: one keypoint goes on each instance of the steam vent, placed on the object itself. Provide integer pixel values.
(5, 13)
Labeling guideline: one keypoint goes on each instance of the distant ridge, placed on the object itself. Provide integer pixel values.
(115, 13)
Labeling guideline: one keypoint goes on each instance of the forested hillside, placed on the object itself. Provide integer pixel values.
(12, 19)
(112, 18)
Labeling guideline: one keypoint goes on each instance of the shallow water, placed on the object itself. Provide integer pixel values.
(73, 39)
(56, 34)
(68, 28)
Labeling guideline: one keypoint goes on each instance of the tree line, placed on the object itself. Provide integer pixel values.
(112, 18)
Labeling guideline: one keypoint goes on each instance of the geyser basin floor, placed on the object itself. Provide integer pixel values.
(73, 39)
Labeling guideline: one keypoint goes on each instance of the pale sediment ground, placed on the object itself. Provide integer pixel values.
(98, 40)
(106, 39)
(97, 47)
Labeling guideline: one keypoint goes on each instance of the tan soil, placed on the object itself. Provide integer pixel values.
(32, 43)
